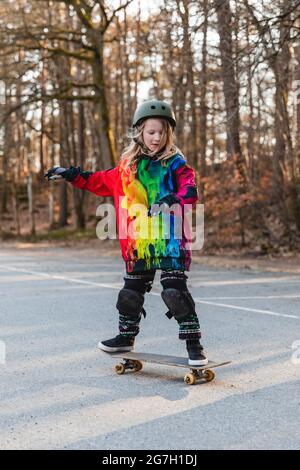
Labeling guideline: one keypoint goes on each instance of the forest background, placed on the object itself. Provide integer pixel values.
(73, 71)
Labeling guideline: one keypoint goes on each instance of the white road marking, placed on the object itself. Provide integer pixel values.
(258, 280)
(62, 278)
(283, 296)
(266, 312)
(197, 299)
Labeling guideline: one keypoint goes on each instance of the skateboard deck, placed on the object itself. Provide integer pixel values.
(134, 361)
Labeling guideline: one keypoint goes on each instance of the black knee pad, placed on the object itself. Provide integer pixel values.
(180, 304)
(130, 302)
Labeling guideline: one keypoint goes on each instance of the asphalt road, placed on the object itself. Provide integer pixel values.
(59, 392)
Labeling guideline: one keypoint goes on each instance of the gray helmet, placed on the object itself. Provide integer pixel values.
(154, 109)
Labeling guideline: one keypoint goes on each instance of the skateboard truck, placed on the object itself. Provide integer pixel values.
(128, 364)
(196, 374)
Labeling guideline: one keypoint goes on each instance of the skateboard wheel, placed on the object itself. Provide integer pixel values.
(138, 365)
(190, 379)
(120, 369)
(209, 375)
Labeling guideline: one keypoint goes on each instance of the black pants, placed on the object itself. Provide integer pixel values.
(142, 282)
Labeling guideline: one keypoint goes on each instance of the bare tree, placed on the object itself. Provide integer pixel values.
(230, 85)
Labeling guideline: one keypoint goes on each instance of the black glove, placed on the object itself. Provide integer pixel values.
(162, 205)
(58, 172)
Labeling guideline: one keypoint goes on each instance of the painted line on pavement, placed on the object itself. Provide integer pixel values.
(113, 286)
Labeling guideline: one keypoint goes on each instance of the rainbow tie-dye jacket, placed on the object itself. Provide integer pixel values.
(145, 246)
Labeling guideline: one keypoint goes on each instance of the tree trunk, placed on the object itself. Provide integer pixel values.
(79, 196)
(64, 144)
(106, 137)
(65, 136)
(295, 189)
(283, 161)
(203, 106)
(30, 194)
(16, 207)
(251, 134)
(127, 67)
(120, 75)
(51, 199)
(137, 57)
(7, 146)
(230, 87)
(188, 60)
(43, 115)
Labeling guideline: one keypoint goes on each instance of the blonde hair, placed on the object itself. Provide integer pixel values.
(136, 148)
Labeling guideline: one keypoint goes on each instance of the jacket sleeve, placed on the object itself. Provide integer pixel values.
(100, 183)
(186, 186)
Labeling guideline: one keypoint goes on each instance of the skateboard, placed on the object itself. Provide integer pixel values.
(134, 361)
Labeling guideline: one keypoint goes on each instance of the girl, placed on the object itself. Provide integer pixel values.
(153, 173)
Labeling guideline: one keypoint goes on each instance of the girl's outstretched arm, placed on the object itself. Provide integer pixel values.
(98, 182)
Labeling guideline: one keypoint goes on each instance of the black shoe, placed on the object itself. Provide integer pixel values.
(196, 353)
(119, 343)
